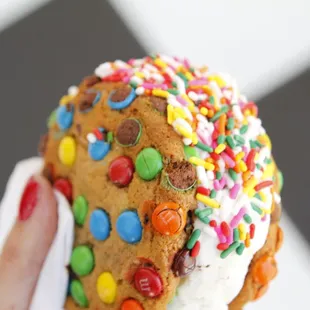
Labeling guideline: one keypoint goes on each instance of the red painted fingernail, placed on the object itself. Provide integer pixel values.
(29, 199)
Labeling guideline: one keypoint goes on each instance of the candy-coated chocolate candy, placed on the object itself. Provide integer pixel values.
(121, 171)
(169, 218)
(149, 164)
(181, 175)
(128, 132)
(82, 260)
(183, 263)
(78, 294)
(88, 100)
(121, 98)
(190, 151)
(52, 119)
(148, 282)
(65, 116)
(65, 187)
(131, 304)
(100, 225)
(129, 227)
(264, 270)
(80, 210)
(98, 150)
(106, 288)
(280, 180)
(67, 151)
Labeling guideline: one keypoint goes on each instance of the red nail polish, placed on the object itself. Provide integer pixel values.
(29, 200)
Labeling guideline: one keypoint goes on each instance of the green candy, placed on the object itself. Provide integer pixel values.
(82, 260)
(232, 248)
(110, 137)
(240, 249)
(78, 294)
(52, 119)
(190, 152)
(280, 180)
(213, 193)
(193, 239)
(247, 218)
(148, 164)
(80, 210)
(203, 147)
(221, 139)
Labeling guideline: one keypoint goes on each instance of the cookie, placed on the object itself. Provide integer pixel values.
(174, 190)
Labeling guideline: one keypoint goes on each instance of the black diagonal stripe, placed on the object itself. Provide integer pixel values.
(285, 114)
(43, 54)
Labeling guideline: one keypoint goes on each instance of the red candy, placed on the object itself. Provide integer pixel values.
(196, 249)
(204, 191)
(225, 229)
(65, 187)
(121, 171)
(213, 223)
(148, 282)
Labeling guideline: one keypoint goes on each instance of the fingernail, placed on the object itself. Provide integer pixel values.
(29, 199)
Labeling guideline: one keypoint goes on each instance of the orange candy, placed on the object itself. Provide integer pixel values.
(168, 218)
(261, 291)
(131, 304)
(279, 239)
(264, 270)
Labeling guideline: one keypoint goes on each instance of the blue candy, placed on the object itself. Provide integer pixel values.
(129, 227)
(100, 225)
(64, 118)
(98, 150)
(122, 104)
(97, 98)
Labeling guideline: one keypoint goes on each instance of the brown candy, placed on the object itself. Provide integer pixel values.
(86, 101)
(183, 263)
(121, 94)
(90, 80)
(181, 175)
(128, 132)
(159, 104)
(43, 144)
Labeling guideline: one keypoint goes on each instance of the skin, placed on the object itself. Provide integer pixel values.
(26, 249)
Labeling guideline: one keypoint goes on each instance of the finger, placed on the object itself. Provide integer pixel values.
(27, 245)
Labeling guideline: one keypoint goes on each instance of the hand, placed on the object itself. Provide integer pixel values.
(27, 245)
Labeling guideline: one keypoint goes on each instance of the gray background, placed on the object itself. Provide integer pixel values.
(53, 48)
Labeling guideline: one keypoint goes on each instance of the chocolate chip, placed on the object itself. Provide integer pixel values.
(128, 132)
(121, 94)
(43, 144)
(181, 175)
(159, 104)
(86, 100)
(91, 80)
(183, 263)
(276, 214)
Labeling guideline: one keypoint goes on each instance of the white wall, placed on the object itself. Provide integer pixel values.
(261, 42)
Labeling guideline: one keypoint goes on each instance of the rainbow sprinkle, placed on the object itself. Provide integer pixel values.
(231, 151)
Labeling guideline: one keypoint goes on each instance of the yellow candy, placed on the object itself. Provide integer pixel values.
(170, 111)
(269, 171)
(185, 97)
(189, 75)
(208, 201)
(180, 112)
(219, 81)
(140, 75)
(106, 288)
(160, 63)
(67, 151)
(220, 148)
(194, 138)
(204, 111)
(160, 93)
(265, 140)
(242, 232)
(182, 130)
(239, 156)
(65, 99)
(191, 106)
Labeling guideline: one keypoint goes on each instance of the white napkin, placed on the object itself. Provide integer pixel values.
(52, 287)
